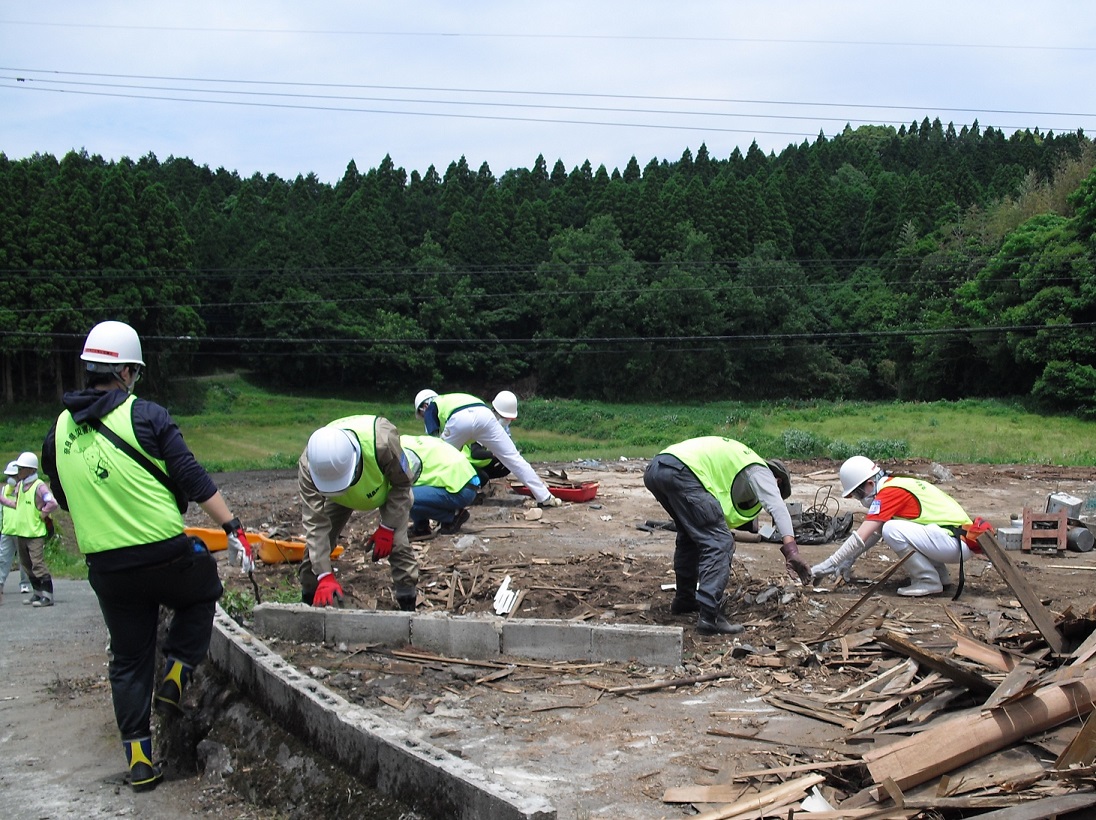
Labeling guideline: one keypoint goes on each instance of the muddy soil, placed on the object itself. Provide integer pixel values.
(560, 730)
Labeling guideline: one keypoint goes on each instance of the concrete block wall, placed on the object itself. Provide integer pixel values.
(476, 637)
(385, 756)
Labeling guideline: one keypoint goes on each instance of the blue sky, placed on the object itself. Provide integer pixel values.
(291, 88)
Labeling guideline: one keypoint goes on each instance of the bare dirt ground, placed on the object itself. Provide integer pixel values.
(560, 730)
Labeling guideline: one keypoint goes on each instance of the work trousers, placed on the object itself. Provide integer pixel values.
(478, 423)
(439, 504)
(32, 558)
(130, 601)
(324, 521)
(8, 552)
(705, 544)
(940, 546)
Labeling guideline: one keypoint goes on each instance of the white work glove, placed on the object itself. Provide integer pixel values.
(831, 569)
(239, 549)
(840, 563)
(551, 501)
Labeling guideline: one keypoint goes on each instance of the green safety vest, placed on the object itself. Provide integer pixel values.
(443, 465)
(371, 490)
(114, 501)
(27, 521)
(5, 521)
(450, 403)
(716, 461)
(937, 507)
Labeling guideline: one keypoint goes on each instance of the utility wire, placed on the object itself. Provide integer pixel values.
(596, 95)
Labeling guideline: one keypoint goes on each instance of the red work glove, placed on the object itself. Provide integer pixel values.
(381, 542)
(797, 567)
(327, 591)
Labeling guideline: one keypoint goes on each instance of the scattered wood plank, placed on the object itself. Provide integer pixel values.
(971, 680)
(1015, 682)
(750, 806)
(967, 646)
(1047, 807)
(1039, 615)
(829, 631)
(1082, 749)
(667, 684)
(960, 740)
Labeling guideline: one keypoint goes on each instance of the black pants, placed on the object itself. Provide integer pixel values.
(130, 600)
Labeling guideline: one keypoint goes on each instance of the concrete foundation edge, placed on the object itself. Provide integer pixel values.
(386, 757)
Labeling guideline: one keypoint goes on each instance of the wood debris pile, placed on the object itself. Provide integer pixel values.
(995, 721)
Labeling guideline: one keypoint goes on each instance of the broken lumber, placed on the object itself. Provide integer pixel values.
(1034, 608)
(972, 681)
(960, 740)
(749, 806)
(828, 631)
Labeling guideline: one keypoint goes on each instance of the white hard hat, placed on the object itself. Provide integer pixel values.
(27, 459)
(333, 459)
(112, 343)
(423, 397)
(11, 469)
(854, 472)
(506, 404)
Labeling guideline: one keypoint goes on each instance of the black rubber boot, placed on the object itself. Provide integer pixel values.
(169, 697)
(144, 775)
(684, 601)
(712, 622)
(684, 604)
(406, 601)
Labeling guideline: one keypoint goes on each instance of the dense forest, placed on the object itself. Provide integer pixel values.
(919, 263)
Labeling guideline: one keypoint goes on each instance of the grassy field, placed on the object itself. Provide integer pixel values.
(242, 426)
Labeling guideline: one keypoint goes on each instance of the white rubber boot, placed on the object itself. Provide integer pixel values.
(944, 573)
(924, 579)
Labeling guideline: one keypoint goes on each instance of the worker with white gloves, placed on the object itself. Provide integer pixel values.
(710, 486)
(908, 514)
(460, 418)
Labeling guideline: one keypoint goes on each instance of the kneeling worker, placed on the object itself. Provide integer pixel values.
(445, 488)
(709, 486)
(908, 514)
(356, 463)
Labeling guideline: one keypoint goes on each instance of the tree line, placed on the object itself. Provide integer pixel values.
(919, 263)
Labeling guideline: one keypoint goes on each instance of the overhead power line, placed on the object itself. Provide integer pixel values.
(20, 72)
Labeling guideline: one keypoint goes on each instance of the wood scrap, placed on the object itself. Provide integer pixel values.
(962, 739)
(1034, 608)
(1047, 807)
(667, 684)
(792, 790)
(971, 680)
(829, 631)
(967, 646)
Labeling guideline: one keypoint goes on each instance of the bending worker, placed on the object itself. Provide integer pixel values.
(445, 488)
(356, 463)
(460, 418)
(123, 471)
(710, 486)
(908, 514)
